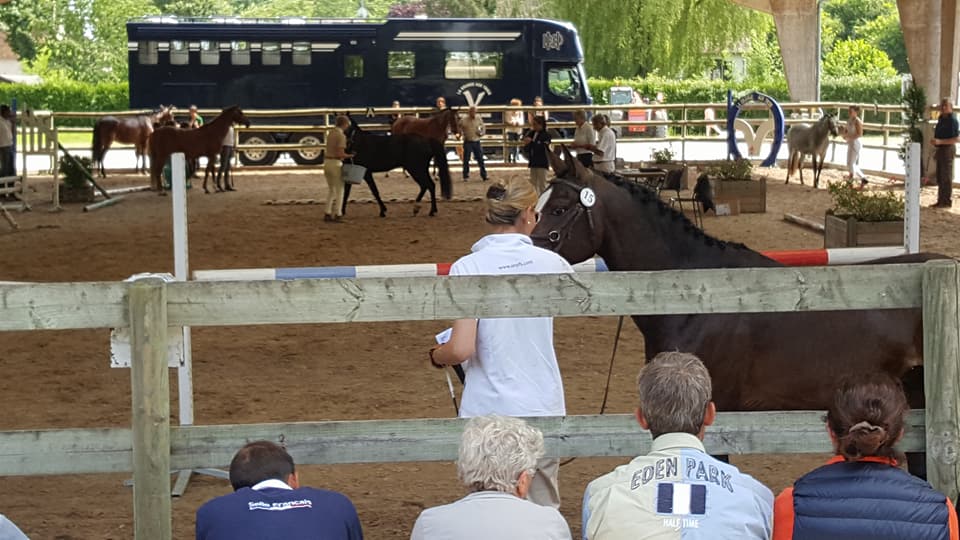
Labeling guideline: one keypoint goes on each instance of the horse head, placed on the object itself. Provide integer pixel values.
(570, 210)
(452, 120)
(236, 116)
(164, 116)
(832, 124)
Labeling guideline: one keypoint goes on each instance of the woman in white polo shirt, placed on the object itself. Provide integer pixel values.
(512, 368)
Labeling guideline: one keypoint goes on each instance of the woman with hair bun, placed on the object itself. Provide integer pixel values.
(512, 368)
(862, 492)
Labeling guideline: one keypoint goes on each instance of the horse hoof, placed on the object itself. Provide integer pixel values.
(383, 213)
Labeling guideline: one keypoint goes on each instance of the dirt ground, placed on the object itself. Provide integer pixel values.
(309, 372)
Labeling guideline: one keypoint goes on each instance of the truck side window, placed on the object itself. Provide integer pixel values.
(353, 66)
(564, 82)
(147, 52)
(401, 64)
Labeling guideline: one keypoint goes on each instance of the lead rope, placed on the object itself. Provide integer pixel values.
(606, 389)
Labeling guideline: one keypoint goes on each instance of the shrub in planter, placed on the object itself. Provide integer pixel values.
(732, 180)
(860, 218)
(662, 155)
(74, 186)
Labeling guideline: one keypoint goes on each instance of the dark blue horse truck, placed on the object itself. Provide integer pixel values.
(293, 63)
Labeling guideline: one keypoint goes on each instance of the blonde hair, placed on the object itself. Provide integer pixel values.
(515, 102)
(506, 199)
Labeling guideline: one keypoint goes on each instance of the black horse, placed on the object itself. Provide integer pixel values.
(382, 153)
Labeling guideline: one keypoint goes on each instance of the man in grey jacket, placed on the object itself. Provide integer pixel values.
(497, 460)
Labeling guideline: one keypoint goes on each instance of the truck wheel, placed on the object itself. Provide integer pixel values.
(257, 157)
(308, 157)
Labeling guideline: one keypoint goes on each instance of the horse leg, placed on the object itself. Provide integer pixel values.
(368, 178)
(346, 197)
(433, 199)
(416, 202)
(815, 170)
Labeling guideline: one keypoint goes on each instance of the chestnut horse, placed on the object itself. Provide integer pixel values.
(758, 361)
(203, 141)
(135, 130)
(434, 128)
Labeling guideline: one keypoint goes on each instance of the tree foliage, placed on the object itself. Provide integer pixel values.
(885, 33)
(857, 57)
(671, 37)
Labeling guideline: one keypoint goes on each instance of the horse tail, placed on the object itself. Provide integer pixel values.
(440, 155)
(96, 151)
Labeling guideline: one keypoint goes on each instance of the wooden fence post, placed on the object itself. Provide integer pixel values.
(941, 352)
(150, 383)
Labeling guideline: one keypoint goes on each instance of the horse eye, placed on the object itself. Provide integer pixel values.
(558, 211)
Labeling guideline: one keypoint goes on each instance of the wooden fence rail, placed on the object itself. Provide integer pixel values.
(150, 306)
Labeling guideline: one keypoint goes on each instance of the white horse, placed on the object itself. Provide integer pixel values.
(805, 139)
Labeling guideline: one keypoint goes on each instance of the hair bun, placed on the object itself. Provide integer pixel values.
(866, 427)
(497, 192)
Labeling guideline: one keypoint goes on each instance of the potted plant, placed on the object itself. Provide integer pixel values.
(663, 159)
(861, 218)
(914, 102)
(74, 187)
(732, 181)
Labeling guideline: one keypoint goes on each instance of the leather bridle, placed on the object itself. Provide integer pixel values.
(586, 199)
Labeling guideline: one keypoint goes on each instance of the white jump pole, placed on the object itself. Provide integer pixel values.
(181, 272)
(178, 180)
(911, 200)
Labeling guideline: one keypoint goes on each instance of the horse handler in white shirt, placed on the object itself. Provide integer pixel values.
(512, 368)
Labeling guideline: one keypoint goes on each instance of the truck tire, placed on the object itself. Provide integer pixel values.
(257, 157)
(308, 157)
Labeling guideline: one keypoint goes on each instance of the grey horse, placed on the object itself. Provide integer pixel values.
(806, 139)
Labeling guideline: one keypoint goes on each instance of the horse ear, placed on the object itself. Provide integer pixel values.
(583, 173)
(568, 157)
(558, 165)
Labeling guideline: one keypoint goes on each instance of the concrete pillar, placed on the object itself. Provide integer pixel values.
(798, 30)
(921, 24)
(949, 51)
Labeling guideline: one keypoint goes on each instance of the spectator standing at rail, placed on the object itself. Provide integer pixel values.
(9, 531)
(7, 132)
(584, 138)
(472, 128)
(226, 160)
(537, 111)
(512, 368)
(496, 463)
(536, 145)
(862, 492)
(605, 153)
(268, 502)
(945, 137)
(441, 103)
(853, 134)
(677, 490)
(335, 153)
(661, 114)
(514, 122)
(194, 120)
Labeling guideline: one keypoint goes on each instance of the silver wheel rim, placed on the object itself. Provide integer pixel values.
(255, 155)
(310, 154)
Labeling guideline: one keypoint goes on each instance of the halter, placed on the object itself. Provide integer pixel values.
(587, 198)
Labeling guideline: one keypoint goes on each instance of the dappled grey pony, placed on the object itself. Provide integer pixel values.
(805, 139)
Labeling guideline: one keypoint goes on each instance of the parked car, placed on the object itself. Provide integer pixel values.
(625, 95)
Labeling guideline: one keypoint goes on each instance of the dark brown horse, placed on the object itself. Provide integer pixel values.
(194, 143)
(758, 361)
(135, 130)
(434, 128)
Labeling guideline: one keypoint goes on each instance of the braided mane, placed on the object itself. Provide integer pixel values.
(646, 195)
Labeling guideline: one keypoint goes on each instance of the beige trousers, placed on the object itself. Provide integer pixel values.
(538, 177)
(545, 487)
(333, 171)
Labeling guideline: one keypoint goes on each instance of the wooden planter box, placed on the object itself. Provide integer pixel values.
(840, 232)
(76, 195)
(750, 194)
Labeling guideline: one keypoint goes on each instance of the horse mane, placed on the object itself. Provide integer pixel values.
(648, 196)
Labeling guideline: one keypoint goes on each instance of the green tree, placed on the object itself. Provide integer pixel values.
(195, 8)
(671, 37)
(314, 8)
(83, 40)
(852, 14)
(857, 57)
(764, 61)
(885, 33)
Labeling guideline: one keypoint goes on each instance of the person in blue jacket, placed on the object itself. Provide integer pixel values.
(269, 504)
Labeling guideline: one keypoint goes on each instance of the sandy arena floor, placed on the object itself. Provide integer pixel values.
(317, 372)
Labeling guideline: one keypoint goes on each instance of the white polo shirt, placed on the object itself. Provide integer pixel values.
(514, 371)
(606, 143)
(584, 134)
